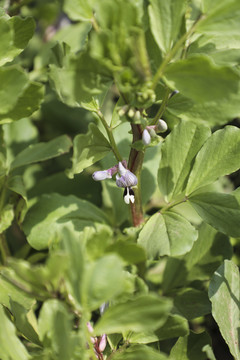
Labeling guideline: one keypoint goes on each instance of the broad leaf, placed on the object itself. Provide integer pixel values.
(219, 156)
(42, 151)
(55, 328)
(192, 303)
(27, 103)
(222, 17)
(88, 149)
(130, 252)
(78, 10)
(201, 80)
(13, 82)
(11, 347)
(175, 326)
(224, 293)
(15, 33)
(52, 212)
(178, 153)
(140, 352)
(190, 347)
(222, 211)
(165, 21)
(142, 313)
(211, 113)
(103, 281)
(207, 253)
(167, 234)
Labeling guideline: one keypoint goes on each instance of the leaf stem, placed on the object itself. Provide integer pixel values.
(110, 136)
(174, 203)
(135, 165)
(162, 107)
(4, 249)
(174, 50)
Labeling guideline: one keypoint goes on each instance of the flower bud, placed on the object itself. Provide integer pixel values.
(131, 113)
(146, 138)
(102, 343)
(127, 178)
(101, 175)
(161, 126)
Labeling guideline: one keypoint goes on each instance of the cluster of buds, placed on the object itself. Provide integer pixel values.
(151, 130)
(99, 343)
(124, 179)
(133, 114)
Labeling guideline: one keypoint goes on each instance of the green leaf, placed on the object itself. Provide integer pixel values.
(224, 294)
(211, 113)
(78, 10)
(16, 33)
(192, 303)
(42, 151)
(11, 346)
(178, 153)
(221, 18)
(222, 211)
(142, 313)
(207, 253)
(55, 328)
(7, 216)
(175, 326)
(103, 281)
(165, 21)
(22, 320)
(88, 149)
(190, 347)
(81, 82)
(139, 352)
(27, 103)
(16, 184)
(218, 156)
(130, 252)
(9, 292)
(45, 220)
(167, 234)
(201, 80)
(13, 82)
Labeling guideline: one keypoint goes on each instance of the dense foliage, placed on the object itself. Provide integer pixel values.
(119, 198)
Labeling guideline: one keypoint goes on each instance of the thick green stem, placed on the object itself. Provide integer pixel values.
(110, 136)
(135, 165)
(174, 50)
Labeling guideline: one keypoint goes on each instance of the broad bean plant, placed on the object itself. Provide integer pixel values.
(119, 197)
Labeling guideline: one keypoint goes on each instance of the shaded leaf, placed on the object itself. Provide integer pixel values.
(142, 313)
(224, 293)
(222, 211)
(13, 347)
(42, 151)
(88, 149)
(52, 212)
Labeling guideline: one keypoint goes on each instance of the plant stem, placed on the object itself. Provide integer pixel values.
(4, 249)
(174, 203)
(162, 107)
(174, 50)
(135, 165)
(110, 136)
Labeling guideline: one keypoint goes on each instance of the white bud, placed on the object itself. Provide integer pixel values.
(161, 126)
(146, 137)
(101, 175)
(128, 196)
